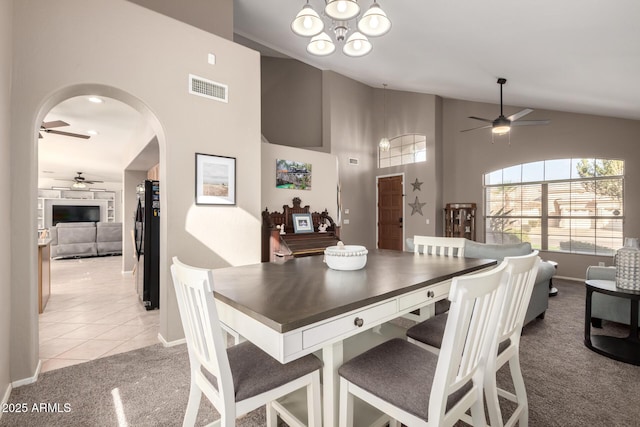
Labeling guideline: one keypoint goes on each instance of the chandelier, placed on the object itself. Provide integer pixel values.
(373, 23)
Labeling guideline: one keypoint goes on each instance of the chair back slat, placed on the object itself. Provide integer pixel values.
(522, 276)
(205, 343)
(476, 302)
(441, 246)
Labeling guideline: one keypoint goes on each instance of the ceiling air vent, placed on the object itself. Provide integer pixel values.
(208, 89)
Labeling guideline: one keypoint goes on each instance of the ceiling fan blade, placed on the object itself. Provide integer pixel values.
(481, 127)
(522, 113)
(481, 119)
(75, 135)
(93, 182)
(54, 124)
(530, 122)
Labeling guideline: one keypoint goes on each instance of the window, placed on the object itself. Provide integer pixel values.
(405, 149)
(563, 205)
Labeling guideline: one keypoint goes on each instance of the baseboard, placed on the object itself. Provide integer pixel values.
(127, 273)
(574, 279)
(5, 397)
(29, 380)
(166, 343)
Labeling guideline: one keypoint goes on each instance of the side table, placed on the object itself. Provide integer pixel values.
(623, 349)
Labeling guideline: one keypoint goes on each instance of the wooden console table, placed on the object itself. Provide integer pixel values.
(623, 349)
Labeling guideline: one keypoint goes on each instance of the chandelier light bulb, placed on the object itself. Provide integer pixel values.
(321, 45)
(357, 45)
(384, 144)
(307, 22)
(342, 10)
(374, 22)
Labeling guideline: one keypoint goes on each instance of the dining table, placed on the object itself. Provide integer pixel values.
(302, 306)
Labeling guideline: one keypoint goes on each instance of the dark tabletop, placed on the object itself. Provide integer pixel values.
(302, 291)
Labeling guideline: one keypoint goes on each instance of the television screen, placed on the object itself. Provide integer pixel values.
(72, 213)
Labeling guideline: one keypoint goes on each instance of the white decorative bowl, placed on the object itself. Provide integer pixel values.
(346, 257)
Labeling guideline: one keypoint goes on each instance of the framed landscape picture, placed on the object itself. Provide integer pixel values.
(302, 223)
(215, 180)
(293, 175)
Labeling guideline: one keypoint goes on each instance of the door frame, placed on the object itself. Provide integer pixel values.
(403, 207)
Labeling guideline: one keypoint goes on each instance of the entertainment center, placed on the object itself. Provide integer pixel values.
(56, 206)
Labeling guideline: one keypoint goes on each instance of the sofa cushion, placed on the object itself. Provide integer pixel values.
(108, 232)
(493, 251)
(68, 234)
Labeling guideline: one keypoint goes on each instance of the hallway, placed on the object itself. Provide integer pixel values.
(93, 312)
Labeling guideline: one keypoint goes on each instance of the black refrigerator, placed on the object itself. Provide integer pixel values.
(147, 238)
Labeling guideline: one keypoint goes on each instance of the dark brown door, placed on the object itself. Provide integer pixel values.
(390, 213)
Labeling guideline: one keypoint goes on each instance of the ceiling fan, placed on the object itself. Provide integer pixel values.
(80, 181)
(47, 128)
(502, 124)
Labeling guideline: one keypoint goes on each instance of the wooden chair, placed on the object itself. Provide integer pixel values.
(522, 272)
(443, 246)
(242, 378)
(440, 246)
(418, 388)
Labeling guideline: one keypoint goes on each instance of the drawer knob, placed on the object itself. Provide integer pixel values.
(358, 322)
(430, 294)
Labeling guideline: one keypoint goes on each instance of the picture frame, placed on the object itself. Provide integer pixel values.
(293, 175)
(215, 180)
(302, 223)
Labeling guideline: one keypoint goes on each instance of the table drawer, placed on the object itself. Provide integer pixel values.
(424, 296)
(348, 323)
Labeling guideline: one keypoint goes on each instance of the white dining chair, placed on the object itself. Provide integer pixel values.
(442, 246)
(506, 347)
(438, 246)
(241, 378)
(418, 388)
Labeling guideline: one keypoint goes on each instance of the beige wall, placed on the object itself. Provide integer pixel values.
(215, 17)
(323, 180)
(149, 71)
(6, 27)
(291, 102)
(468, 155)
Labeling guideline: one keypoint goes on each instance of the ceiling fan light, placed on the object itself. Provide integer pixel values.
(307, 22)
(79, 185)
(501, 130)
(357, 45)
(384, 144)
(342, 10)
(321, 45)
(374, 22)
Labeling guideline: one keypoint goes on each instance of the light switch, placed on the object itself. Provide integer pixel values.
(211, 58)
(428, 221)
(346, 221)
(346, 211)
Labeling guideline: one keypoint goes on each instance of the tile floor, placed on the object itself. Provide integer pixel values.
(93, 312)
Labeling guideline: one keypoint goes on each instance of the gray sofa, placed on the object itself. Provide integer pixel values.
(85, 239)
(540, 296)
(607, 307)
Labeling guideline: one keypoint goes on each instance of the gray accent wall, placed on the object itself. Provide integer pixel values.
(469, 155)
(148, 70)
(6, 62)
(291, 103)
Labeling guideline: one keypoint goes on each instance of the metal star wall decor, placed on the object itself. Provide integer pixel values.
(416, 185)
(416, 206)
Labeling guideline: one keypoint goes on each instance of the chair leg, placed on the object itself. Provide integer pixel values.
(314, 405)
(491, 396)
(346, 405)
(521, 392)
(272, 416)
(477, 411)
(193, 405)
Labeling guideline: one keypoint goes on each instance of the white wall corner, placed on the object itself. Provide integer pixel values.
(166, 343)
(28, 380)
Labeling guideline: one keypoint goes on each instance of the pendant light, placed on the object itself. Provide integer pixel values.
(357, 45)
(321, 45)
(384, 143)
(307, 22)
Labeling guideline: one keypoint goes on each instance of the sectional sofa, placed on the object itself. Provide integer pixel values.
(85, 239)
